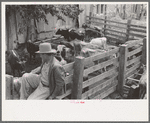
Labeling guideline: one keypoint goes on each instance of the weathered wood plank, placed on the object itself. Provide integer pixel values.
(125, 86)
(133, 79)
(106, 20)
(132, 43)
(137, 30)
(138, 35)
(100, 56)
(130, 73)
(9, 87)
(122, 67)
(97, 88)
(106, 92)
(77, 78)
(144, 54)
(107, 24)
(138, 74)
(137, 65)
(99, 77)
(68, 67)
(134, 52)
(119, 36)
(68, 92)
(133, 60)
(116, 31)
(100, 65)
(69, 79)
(138, 26)
(128, 29)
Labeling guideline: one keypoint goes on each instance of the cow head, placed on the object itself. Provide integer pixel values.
(58, 31)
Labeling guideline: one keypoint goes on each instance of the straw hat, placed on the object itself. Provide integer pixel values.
(46, 48)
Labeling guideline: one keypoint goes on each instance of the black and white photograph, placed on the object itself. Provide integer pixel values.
(75, 53)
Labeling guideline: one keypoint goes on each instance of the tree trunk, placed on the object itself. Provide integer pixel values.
(124, 12)
(15, 16)
(138, 11)
(28, 34)
(76, 20)
(117, 10)
(7, 30)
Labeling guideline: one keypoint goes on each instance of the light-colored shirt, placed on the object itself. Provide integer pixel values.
(44, 73)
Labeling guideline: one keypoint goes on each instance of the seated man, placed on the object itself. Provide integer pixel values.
(49, 83)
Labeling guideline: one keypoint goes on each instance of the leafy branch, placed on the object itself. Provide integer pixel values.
(39, 12)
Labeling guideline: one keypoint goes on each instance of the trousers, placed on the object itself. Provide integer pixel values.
(32, 88)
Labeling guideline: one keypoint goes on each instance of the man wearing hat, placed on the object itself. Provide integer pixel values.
(51, 80)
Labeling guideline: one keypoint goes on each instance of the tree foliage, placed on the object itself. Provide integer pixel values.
(39, 12)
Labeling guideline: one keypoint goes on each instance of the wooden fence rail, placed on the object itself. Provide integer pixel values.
(129, 31)
(127, 66)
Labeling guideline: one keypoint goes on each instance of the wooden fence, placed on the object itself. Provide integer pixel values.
(105, 73)
(118, 32)
(69, 69)
(102, 76)
(130, 61)
(99, 84)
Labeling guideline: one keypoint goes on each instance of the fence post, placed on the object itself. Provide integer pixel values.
(78, 78)
(128, 30)
(143, 59)
(105, 18)
(9, 87)
(91, 13)
(122, 67)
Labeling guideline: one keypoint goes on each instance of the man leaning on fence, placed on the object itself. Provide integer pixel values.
(48, 81)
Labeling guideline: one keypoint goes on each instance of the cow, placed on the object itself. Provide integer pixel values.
(77, 34)
(70, 34)
(32, 48)
(60, 58)
(100, 42)
(63, 32)
(15, 62)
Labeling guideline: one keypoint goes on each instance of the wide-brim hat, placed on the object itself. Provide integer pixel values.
(46, 48)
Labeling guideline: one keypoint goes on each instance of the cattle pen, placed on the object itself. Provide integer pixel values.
(99, 85)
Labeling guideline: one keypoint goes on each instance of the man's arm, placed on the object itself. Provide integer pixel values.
(59, 77)
(36, 71)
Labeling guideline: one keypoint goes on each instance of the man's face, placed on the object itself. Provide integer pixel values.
(43, 56)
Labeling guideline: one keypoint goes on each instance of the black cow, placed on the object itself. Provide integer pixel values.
(32, 48)
(76, 34)
(71, 34)
(15, 62)
(64, 32)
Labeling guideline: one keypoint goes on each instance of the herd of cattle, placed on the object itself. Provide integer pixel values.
(67, 49)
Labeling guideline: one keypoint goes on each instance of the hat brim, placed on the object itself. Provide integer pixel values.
(52, 51)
